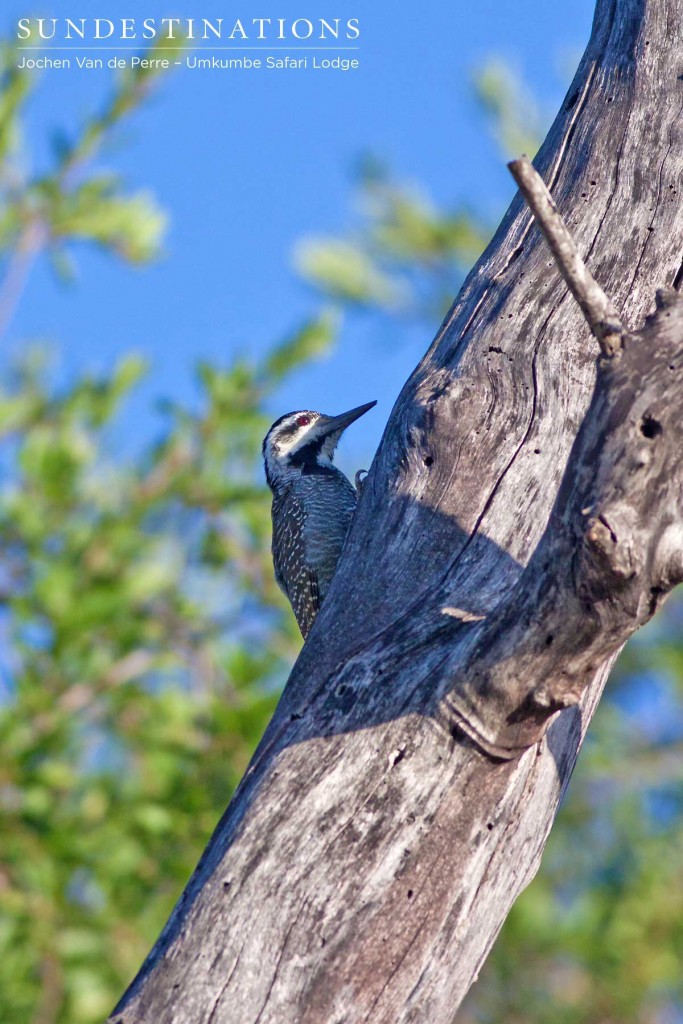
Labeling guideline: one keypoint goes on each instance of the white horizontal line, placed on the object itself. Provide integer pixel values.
(180, 46)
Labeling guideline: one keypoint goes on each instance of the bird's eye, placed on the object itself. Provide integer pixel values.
(303, 421)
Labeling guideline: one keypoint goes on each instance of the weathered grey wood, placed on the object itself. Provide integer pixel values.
(371, 854)
(613, 548)
(597, 308)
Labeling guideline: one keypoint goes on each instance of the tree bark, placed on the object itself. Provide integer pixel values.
(524, 514)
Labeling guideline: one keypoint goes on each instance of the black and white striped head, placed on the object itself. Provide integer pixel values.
(304, 442)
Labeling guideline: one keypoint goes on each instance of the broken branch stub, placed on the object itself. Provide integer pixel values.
(613, 548)
(598, 309)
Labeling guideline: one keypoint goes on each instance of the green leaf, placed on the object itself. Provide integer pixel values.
(311, 341)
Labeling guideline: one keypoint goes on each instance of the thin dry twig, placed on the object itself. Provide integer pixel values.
(597, 308)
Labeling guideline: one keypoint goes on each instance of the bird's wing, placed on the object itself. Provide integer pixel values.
(298, 581)
(307, 605)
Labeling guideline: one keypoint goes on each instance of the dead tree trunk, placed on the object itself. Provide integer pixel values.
(523, 515)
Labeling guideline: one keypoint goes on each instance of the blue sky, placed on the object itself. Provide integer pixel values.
(245, 164)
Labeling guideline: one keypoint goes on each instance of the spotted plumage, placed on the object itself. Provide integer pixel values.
(313, 504)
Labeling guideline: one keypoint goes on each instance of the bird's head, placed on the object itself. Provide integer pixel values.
(303, 442)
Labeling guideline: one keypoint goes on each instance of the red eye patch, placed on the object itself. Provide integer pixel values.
(303, 421)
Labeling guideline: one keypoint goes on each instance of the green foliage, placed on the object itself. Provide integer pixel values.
(513, 112)
(148, 642)
(72, 202)
(145, 640)
(404, 258)
(311, 340)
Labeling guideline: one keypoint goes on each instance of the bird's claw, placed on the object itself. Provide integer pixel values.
(359, 480)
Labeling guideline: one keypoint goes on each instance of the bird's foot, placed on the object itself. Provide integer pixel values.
(359, 480)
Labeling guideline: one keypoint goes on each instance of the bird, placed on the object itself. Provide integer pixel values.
(313, 504)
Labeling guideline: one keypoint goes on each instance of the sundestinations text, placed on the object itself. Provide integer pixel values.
(205, 29)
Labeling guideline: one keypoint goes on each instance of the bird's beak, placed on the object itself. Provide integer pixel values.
(332, 424)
